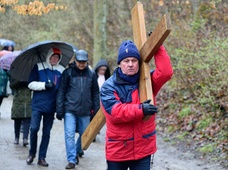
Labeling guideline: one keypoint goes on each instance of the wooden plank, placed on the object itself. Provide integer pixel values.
(139, 34)
(150, 47)
(147, 48)
(93, 129)
(138, 25)
(145, 86)
(155, 40)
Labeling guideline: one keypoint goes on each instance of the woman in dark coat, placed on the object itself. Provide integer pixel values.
(103, 72)
(21, 109)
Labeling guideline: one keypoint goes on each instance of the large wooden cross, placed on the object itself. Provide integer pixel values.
(147, 48)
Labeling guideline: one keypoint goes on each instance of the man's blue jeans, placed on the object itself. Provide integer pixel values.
(70, 124)
(48, 119)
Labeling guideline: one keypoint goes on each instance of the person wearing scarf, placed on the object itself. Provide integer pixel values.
(130, 140)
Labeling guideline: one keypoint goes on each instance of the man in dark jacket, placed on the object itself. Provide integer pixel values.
(77, 97)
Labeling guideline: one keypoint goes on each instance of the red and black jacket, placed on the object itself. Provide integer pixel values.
(128, 136)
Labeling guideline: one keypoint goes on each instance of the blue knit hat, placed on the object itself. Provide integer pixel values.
(127, 49)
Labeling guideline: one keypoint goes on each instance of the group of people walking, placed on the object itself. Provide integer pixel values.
(71, 93)
(76, 93)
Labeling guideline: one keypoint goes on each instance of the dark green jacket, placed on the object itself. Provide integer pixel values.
(21, 107)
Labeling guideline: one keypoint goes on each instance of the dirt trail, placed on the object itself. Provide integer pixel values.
(12, 157)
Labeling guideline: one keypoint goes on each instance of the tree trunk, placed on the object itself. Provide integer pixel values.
(100, 37)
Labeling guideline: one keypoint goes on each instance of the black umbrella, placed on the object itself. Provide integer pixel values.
(35, 53)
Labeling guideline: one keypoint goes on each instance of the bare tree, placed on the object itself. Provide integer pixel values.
(99, 28)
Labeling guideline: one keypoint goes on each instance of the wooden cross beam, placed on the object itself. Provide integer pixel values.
(147, 49)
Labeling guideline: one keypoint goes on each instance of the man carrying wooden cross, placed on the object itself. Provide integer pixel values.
(131, 140)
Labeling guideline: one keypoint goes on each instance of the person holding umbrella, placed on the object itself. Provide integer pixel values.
(21, 110)
(44, 80)
(4, 77)
(8, 48)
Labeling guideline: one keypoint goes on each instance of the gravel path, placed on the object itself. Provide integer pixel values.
(12, 157)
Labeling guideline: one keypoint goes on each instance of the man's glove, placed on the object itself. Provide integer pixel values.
(49, 85)
(59, 116)
(149, 109)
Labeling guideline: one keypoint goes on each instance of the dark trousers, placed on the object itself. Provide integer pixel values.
(1, 99)
(17, 126)
(48, 119)
(141, 164)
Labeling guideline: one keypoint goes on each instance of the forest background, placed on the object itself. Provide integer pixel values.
(193, 105)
